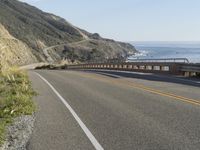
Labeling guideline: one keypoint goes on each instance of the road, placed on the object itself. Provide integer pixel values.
(122, 111)
(46, 50)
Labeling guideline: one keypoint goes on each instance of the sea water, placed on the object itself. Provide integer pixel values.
(162, 50)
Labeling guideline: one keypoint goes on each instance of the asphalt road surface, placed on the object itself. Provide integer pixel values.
(86, 110)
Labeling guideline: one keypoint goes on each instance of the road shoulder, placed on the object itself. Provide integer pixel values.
(54, 127)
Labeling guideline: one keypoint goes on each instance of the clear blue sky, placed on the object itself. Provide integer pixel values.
(131, 20)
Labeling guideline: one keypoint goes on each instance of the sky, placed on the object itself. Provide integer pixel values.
(130, 20)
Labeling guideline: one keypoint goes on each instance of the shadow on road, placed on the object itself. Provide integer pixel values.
(150, 77)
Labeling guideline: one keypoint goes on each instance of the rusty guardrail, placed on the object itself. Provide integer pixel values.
(175, 68)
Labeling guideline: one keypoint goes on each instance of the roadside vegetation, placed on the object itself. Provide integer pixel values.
(16, 96)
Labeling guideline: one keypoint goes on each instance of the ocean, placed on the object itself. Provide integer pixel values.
(157, 50)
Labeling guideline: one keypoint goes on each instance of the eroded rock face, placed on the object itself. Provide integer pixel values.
(13, 51)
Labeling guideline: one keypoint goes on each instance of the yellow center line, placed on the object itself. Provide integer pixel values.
(122, 82)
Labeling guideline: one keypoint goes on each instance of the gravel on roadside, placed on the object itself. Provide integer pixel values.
(19, 132)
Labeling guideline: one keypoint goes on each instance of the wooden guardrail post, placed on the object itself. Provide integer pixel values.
(175, 69)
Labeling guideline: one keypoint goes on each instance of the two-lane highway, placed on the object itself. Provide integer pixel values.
(115, 111)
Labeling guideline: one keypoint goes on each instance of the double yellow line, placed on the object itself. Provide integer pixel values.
(140, 87)
(170, 95)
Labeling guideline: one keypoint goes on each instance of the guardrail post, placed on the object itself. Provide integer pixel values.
(130, 66)
(124, 66)
(175, 69)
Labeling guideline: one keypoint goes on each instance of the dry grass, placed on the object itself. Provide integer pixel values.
(16, 96)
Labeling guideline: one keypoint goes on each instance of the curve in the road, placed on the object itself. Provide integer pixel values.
(90, 136)
(145, 88)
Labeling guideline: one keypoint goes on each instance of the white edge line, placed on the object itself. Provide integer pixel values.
(93, 140)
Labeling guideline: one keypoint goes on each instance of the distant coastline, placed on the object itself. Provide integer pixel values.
(180, 44)
(155, 50)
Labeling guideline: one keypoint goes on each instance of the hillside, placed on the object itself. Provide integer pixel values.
(13, 51)
(47, 37)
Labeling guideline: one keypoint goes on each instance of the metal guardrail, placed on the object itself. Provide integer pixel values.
(151, 67)
(170, 66)
(175, 60)
(191, 68)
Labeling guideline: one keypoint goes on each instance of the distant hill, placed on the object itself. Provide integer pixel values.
(36, 36)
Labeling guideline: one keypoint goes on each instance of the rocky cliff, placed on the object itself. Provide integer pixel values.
(13, 51)
(30, 35)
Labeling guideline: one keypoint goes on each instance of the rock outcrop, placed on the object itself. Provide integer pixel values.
(30, 35)
(13, 51)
